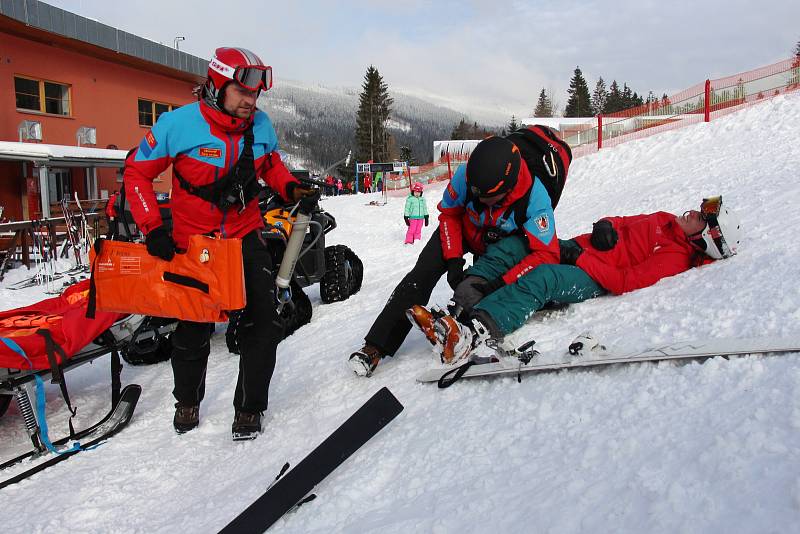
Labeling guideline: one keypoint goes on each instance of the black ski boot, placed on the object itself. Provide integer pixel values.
(187, 417)
(246, 425)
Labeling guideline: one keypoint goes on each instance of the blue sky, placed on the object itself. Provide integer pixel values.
(475, 55)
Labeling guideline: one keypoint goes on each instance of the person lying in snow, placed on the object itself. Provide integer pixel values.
(621, 254)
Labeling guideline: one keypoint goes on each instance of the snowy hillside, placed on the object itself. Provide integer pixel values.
(640, 448)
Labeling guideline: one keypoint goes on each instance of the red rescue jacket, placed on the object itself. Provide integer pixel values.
(650, 247)
(203, 144)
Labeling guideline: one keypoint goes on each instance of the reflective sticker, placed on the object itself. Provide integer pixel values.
(210, 153)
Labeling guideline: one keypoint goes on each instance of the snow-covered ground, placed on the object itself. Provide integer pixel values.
(641, 448)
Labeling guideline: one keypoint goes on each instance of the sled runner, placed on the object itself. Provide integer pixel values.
(43, 341)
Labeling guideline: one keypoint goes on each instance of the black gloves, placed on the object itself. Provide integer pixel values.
(306, 196)
(426, 220)
(408, 221)
(471, 291)
(570, 252)
(160, 244)
(604, 237)
(455, 272)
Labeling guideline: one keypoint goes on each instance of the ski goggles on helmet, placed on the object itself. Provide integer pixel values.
(254, 77)
(710, 239)
(710, 208)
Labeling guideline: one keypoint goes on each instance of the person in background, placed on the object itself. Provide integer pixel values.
(339, 186)
(111, 213)
(416, 212)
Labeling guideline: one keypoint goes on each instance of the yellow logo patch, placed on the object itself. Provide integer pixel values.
(210, 153)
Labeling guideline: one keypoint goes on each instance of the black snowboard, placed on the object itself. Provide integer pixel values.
(290, 489)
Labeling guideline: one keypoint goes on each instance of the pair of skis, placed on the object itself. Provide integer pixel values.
(523, 360)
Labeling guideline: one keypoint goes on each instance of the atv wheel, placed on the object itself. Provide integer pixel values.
(344, 273)
(5, 400)
(296, 313)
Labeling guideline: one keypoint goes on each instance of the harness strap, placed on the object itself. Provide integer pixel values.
(51, 347)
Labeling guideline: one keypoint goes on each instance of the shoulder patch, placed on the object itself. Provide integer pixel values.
(151, 139)
(542, 223)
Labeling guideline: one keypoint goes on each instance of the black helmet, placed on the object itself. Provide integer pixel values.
(493, 167)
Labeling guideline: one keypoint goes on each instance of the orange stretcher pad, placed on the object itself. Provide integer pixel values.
(64, 316)
(201, 285)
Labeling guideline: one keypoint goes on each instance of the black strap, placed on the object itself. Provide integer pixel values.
(239, 181)
(51, 347)
(445, 381)
(91, 305)
(184, 280)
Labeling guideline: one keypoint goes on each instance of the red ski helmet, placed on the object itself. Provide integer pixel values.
(235, 64)
(417, 187)
(493, 167)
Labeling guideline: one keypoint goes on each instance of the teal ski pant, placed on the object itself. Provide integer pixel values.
(512, 305)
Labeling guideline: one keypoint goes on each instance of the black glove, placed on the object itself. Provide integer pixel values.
(306, 196)
(408, 222)
(604, 237)
(570, 252)
(160, 244)
(426, 220)
(455, 272)
(488, 287)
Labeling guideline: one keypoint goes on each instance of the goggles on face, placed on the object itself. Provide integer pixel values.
(496, 191)
(254, 77)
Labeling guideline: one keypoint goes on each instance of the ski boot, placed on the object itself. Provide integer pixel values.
(364, 361)
(457, 339)
(425, 320)
(187, 417)
(246, 426)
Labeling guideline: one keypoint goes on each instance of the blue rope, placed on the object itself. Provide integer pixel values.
(40, 401)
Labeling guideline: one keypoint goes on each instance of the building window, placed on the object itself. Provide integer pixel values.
(150, 111)
(59, 185)
(42, 96)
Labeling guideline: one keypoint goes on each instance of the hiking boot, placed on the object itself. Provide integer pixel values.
(456, 339)
(364, 361)
(425, 319)
(187, 417)
(246, 425)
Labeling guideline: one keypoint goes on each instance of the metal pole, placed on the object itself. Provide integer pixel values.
(44, 191)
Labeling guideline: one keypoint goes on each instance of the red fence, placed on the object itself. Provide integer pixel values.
(700, 103)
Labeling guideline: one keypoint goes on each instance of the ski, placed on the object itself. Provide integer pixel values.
(291, 490)
(687, 350)
(117, 419)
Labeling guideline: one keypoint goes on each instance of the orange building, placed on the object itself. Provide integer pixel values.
(85, 93)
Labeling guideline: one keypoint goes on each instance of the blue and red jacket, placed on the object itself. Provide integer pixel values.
(526, 210)
(202, 144)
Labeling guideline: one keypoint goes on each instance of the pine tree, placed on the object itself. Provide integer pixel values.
(513, 125)
(797, 49)
(578, 104)
(614, 99)
(544, 107)
(599, 97)
(405, 155)
(374, 109)
(460, 131)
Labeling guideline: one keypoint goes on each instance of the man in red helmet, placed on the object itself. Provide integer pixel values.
(497, 193)
(223, 150)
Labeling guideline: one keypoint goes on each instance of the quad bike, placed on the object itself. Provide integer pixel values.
(336, 268)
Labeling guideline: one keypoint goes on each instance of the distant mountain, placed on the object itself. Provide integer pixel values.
(316, 124)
